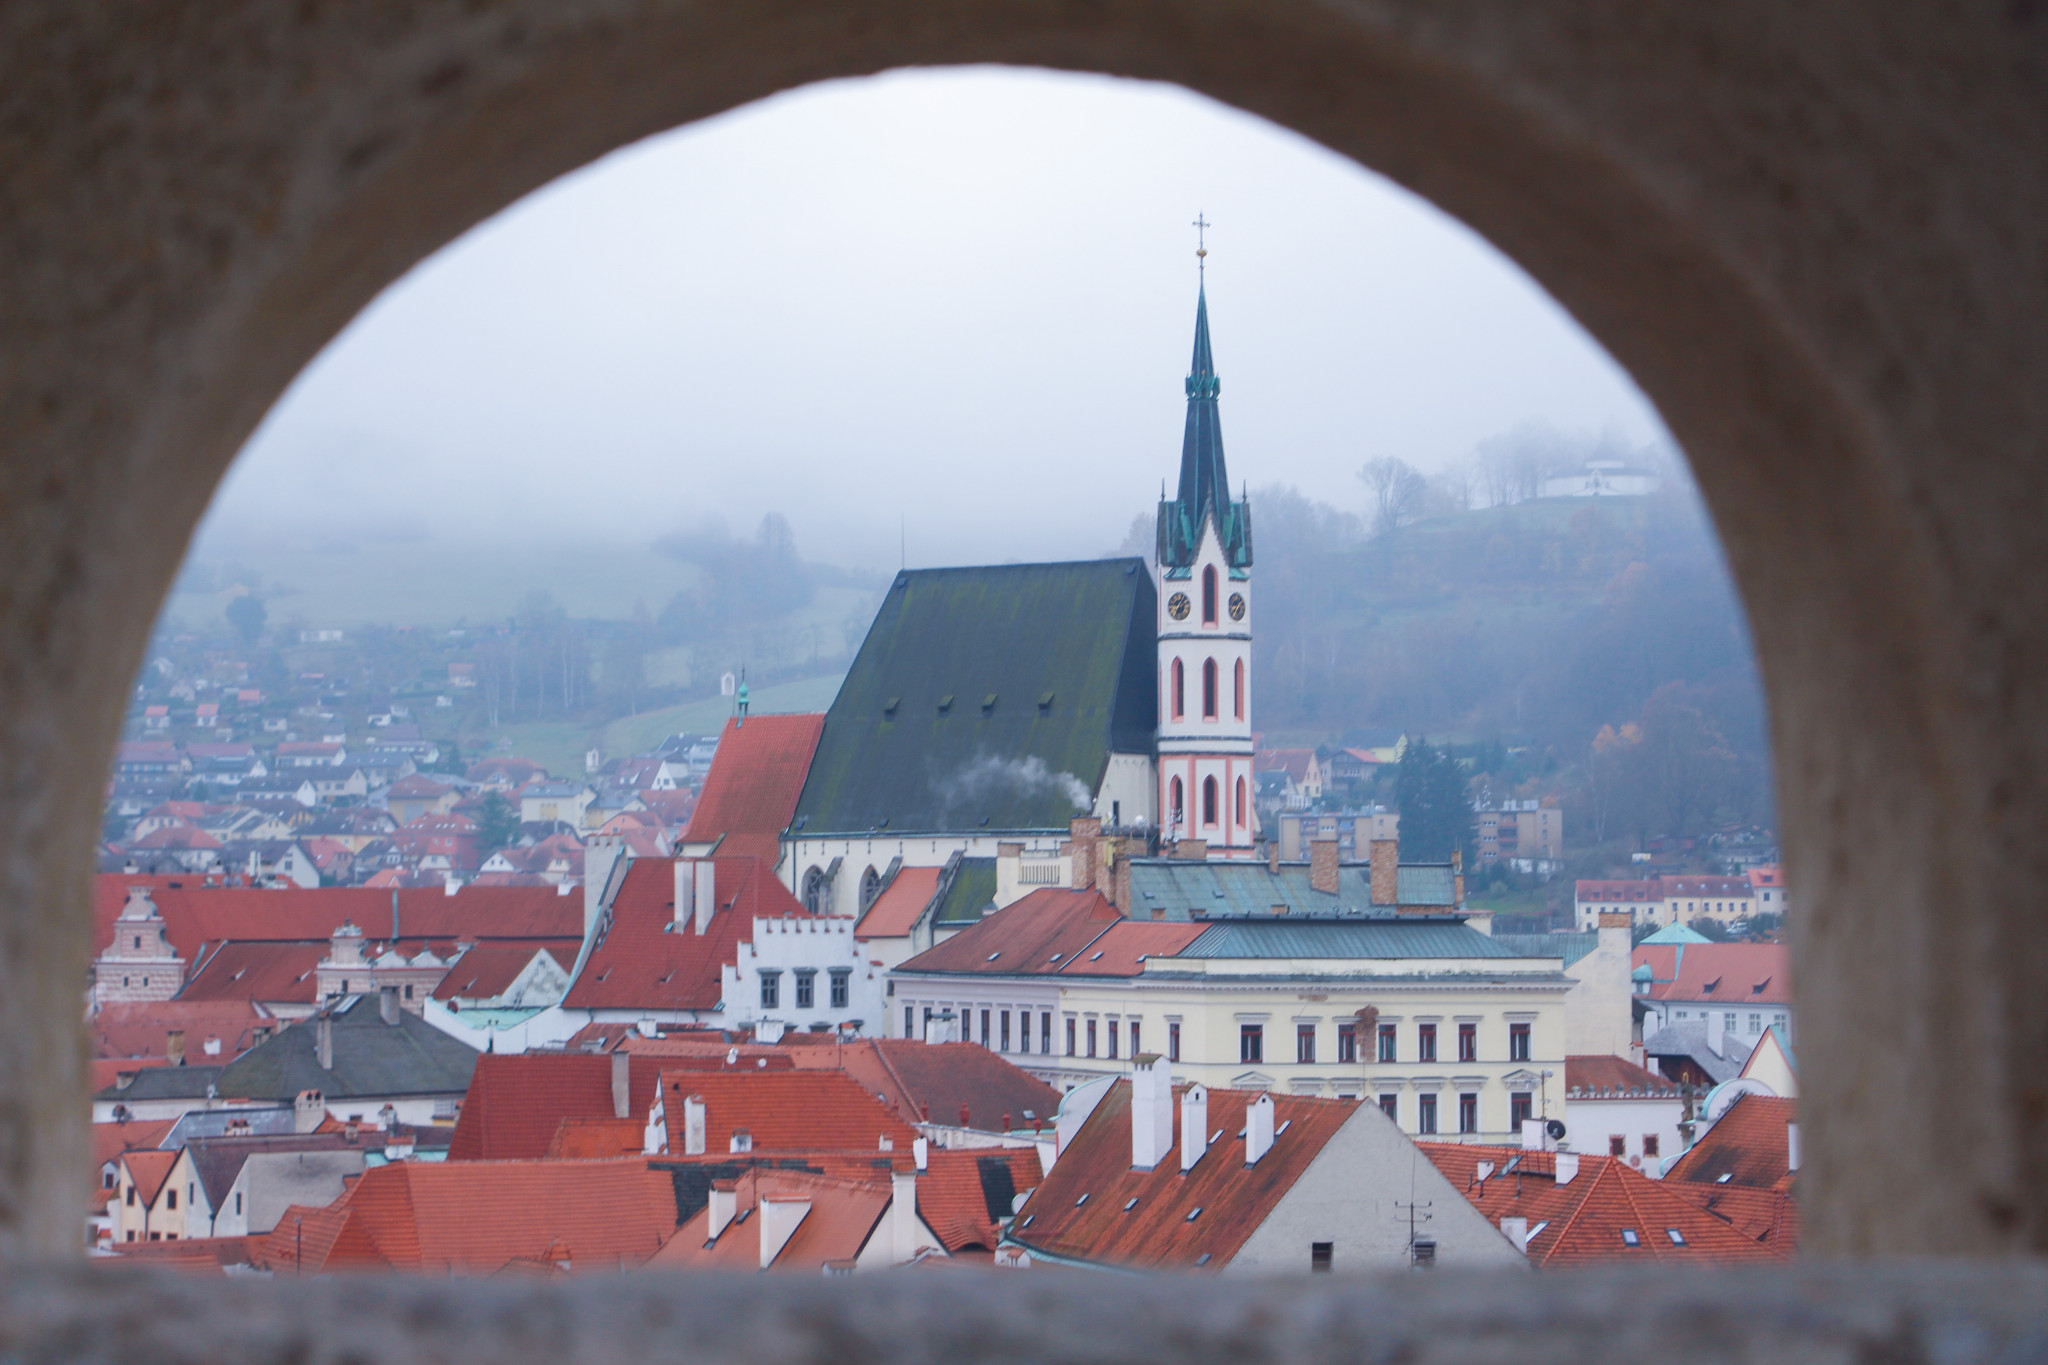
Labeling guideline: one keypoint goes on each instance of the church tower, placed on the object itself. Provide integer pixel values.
(1205, 633)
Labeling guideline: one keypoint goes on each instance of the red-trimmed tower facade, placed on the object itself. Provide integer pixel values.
(1205, 634)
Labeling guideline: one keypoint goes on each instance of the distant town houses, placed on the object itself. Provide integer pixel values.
(1685, 898)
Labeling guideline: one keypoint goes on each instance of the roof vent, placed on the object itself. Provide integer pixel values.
(945, 703)
(988, 703)
(889, 707)
(1045, 701)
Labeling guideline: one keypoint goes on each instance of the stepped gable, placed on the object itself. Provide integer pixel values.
(843, 1215)
(1037, 933)
(1157, 1233)
(751, 792)
(1749, 1145)
(644, 960)
(939, 1080)
(478, 1217)
(517, 1102)
(965, 1192)
(782, 1111)
(1584, 1220)
(981, 696)
(902, 902)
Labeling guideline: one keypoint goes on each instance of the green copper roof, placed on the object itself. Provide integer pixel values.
(1183, 888)
(988, 699)
(1569, 946)
(1359, 938)
(1204, 492)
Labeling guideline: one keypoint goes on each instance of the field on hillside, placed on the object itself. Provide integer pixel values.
(559, 746)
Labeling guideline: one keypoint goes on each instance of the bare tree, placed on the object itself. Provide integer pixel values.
(1397, 489)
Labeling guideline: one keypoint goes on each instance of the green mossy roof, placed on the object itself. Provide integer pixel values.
(371, 1058)
(983, 698)
(973, 890)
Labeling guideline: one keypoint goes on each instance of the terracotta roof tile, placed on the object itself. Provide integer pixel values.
(489, 969)
(843, 1215)
(1038, 933)
(939, 1080)
(638, 963)
(964, 1192)
(194, 1255)
(782, 1111)
(751, 792)
(596, 1139)
(1122, 950)
(237, 973)
(516, 1102)
(897, 909)
(109, 1140)
(1767, 1216)
(148, 1170)
(1596, 1076)
(1729, 974)
(1749, 1145)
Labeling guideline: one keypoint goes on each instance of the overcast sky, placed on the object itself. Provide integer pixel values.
(955, 306)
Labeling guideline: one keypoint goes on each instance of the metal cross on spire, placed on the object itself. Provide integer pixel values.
(1201, 226)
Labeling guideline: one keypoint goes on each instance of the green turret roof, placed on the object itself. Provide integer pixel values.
(1204, 493)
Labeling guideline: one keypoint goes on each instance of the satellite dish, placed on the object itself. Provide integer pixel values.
(1554, 1129)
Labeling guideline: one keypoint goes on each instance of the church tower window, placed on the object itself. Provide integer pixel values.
(1239, 688)
(1208, 689)
(1240, 801)
(870, 887)
(1209, 595)
(1208, 800)
(1180, 691)
(1178, 803)
(814, 891)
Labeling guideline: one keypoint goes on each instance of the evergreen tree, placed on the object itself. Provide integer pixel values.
(1429, 791)
(247, 615)
(497, 824)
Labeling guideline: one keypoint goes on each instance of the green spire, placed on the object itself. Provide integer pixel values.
(1204, 492)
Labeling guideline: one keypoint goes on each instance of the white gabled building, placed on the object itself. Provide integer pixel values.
(800, 973)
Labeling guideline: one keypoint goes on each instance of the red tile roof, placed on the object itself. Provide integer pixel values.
(783, 1111)
(1122, 950)
(193, 1255)
(477, 1217)
(1039, 933)
(960, 1190)
(417, 787)
(109, 1140)
(939, 1080)
(489, 969)
(1613, 1078)
(517, 1101)
(1749, 1144)
(1589, 1218)
(639, 964)
(843, 1215)
(107, 1071)
(597, 1139)
(1729, 974)
(1619, 892)
(140, 1029)
(897, 909)
(1767, 1216)
(1157, 1232)
(148, 1170)
(750, 794)
(280, 973)
(195, 914)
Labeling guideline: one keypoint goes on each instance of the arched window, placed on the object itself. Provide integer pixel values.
(1240, 801)
(814, 891)
(1209, 596)
(1240, 689)
(1208, 689)
(1177, 805)
(1180, 691)
(870, 887)
(1208, 800)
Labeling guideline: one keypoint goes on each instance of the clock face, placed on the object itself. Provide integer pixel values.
(1237, 606)
(1177, 606)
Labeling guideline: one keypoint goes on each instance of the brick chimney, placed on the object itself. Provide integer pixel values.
(621, 1087)
(1386, 876)
(1273, 856)
(1322, 866)
(1083, 831)
(1194, 850)
(1457, 877)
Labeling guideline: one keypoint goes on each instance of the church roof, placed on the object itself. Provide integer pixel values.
(1204, 492)
(988, 699)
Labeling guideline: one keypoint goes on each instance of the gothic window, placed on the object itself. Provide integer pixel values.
(870, 887)
(1240, 689)
(1240, 801)
(814, 891)
(1209, 596)
(1208, 689)
(1208, 800)
(1180, 691)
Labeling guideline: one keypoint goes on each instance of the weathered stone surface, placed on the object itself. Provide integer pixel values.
(1815, 234)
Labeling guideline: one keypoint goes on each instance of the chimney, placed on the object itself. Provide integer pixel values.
(398, 1146)
(174, 1047)
(1516, 1230)
(706, 894)
(1791, 1146)
(387, 1005)
(1457, 876)
(921, 1152)
(1532, 1135)
(693, 1126)
(1194, 1125)
(323, 1041)
(1009, 873)
(1386, 876)
(1273, 856)
(308, 1110)
(1083, 831)
(1194, 850)
(1121, 898)
(684, 903)
(1258, 1129)
(1151, 1111)
(778, 1217)
(622, 1063)
(1716, 1035)
(724, 1203)
(1322, 866)
(600, 854)
(903, 1233)
(1567, 1167)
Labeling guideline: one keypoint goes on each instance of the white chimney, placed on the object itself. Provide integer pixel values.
(725, 1202)
(1567, 1167)
(685, 911)
(1516, 1230)
(778, 1217)
(1194, 1125)
(1258, 1129)
(705, 897)
(921, 1152)
(308, 1111)
(450, 887)
(621, 1085)
(1533, 1137)
(323, 1041)
(903, 1231)
(387, 1004)
(1151, 1111)
(1715, 1033)
(1791, 1146)
(693, 1126)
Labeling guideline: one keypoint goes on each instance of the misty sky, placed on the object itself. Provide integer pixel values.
(963, 299)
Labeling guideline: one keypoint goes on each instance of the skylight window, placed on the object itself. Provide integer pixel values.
(994, 955)
(1194, 1213)
(1202, 1259)
(1079, 1202)
(1677, 1237)
(1130, 1204)
(1724, 1177)
(1029, 1219)
(1056, 957)
(1277, 1132)
(1629, 1238)
(1095, 956)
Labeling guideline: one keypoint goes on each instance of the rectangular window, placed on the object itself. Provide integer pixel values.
(1617, 1145)
(1091, 1037)
(771, 989)
(1112, 1039)
(1518, 1042)
(1468, 1113)
(1387, 1043)
(1649, 1144)
(1251, 1043)
(806, 990)
(1319, 1257)
(910, 1021)
(1756, 1023)
(1005, 1031)
(1304, 1043)
(1347, 1042)
(1425, 1113)
(840, 989)
(1468, 1042)
(1521, 1109)
(1390, 1105)
(1045, 1033)
(984, 1029)
(1071, 1026)
(1173, 1042)
(238, 1201)
(1728, 1022)
(1425, 1043)
(131, 1196)
(1136, 1046)
(171, 1198)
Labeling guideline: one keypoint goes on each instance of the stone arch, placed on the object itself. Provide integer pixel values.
(870, 886)
(1841, 327)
